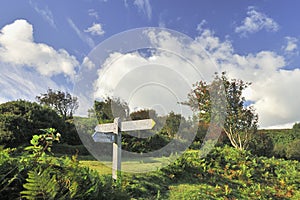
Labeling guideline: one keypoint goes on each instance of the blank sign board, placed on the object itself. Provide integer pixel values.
(103, 137)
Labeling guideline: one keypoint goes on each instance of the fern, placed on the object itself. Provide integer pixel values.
(40, 185)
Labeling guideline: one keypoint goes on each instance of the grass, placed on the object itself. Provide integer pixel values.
(190, 191)
(225, 173)
(131, 165)
(127, 166)
(101, 168)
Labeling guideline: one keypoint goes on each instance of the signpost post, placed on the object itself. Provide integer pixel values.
(111, 133)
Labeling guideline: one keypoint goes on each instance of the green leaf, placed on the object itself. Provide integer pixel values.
(35, 140)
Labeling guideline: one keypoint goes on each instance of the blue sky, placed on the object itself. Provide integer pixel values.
(43, 43)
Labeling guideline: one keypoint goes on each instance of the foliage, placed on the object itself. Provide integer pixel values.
(293, 150)
(37, 175)
(170, 127)
(172, 124)
(71, 136)
(143, 114)
(236, 120)
(85, 125)
(62, 102)
(20, 120)
(285, 142)
(40, 185)
(261, 144)
(66, 149)
(143, 145)
(110, 108)
(226, 173)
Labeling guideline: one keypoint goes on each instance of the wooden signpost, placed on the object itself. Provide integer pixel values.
(111, 133)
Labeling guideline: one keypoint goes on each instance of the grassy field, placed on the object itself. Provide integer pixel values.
(130, 166)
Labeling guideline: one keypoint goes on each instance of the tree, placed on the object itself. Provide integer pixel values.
(19, 120)
(143, 114)
(293, 150)
(110, 108)
(172, 124)
(261, 144)
(239, 122)
(62, 102)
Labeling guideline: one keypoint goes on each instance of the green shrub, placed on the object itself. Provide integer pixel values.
(65, 149)
(225, 173)
(293, 150)
(261, 144)
(20, 120)
(37, 175)
(284, 142)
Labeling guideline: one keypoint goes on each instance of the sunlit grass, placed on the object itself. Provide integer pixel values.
(128, 165)
(96, 165)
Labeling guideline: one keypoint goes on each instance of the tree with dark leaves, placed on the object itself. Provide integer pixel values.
(62, 102)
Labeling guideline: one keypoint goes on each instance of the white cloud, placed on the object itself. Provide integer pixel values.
(17, 47)
(272, 91)
(256, 21)
(273, 88)
(19, 83)
(143, 6)
(161, 80)
(291, 46)
(95, 29)
(45, 13)
(200, 25)
(154, 79)
(86, 39)
(88, 63)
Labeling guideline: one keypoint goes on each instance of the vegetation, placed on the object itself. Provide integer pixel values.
(62, 102)
(282, 143)
(237, 121)
(20, 120)
(47, 170)
(226, 173)
(38, 175)
(110, 108)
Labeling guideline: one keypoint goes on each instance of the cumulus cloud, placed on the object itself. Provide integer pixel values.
(17, 47)
(273, 87)
(87, 63)
(256, 21)
(158, 81)
(95, 29)
(143, 6)
(272, 91)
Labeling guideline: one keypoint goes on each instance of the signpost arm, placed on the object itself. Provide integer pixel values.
(116, 168)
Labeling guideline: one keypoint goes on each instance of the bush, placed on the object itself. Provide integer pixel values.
(37, 175)
(20, 120)
(225, 173)
(284, 142)
(293, 150)
(261, 144)
(65, 149)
